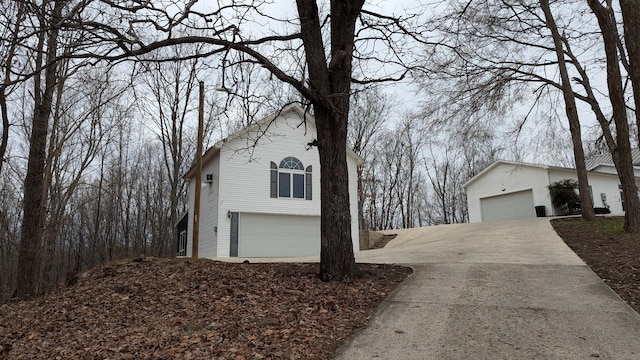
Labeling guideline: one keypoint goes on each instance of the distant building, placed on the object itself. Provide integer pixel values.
(509, 190)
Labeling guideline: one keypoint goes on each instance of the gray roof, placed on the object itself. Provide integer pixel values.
(606, 159)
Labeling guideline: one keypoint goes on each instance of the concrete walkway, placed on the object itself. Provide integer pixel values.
(510, 290)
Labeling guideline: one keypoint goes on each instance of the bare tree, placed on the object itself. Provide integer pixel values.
(9, 233)
(586, 201)
(411, 136)
(393, 178)
(442, 174)
(631, 21)
(380, 181)
(323, 79)
(29, 259)
(81, 126)
(507, 46)
(453, 158)
(172, 102)
(370, 112)
(621, 152)
(10, 25)
(65, 132)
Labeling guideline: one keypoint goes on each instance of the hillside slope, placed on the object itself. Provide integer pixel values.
(180, 309)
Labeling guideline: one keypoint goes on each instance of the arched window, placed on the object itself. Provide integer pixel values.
(291, 179)
(291, 163)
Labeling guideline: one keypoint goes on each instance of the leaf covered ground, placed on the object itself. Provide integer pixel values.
(610, 252)
(179, 309)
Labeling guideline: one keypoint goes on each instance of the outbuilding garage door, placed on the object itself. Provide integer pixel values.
(513, 206)
(261, 235)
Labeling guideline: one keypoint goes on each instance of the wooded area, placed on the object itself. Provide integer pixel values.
(98, 100)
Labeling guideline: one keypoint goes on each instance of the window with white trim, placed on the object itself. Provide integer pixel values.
(290, 179)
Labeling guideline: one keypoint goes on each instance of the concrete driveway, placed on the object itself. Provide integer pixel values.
(505, 290)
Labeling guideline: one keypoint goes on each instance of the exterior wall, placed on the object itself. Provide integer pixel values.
(507, 178)
(209, 210)
(558, 175)
(207, 241)
(245, 182)
(353, 201)
(600, 184)
(610, 169)
(609, 187)
(190, 205)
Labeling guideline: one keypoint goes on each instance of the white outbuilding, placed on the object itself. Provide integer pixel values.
(508, 190)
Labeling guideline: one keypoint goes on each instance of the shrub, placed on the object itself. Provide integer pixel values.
(601, 210)
(564, 196)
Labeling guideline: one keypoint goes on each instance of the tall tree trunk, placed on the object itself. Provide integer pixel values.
(622, 152)
(33, 206)
(5, 127)
(336, 252)
(572, 115)
(631, 20)
(332, 91)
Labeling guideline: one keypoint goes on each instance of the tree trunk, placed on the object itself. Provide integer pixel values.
(336, 251)
(631, 19)
(331, 95)
(586, 201)
(622, 153)
(33, 206)
(5, 127)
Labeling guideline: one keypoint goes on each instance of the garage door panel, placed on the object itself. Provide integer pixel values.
(262, 235)
(513, 206)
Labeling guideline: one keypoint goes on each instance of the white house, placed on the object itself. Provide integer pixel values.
(261, 192)
(512, 190)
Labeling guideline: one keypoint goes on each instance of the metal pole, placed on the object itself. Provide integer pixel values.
(198, 180)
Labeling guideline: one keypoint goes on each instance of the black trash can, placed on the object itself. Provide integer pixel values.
(541, 211)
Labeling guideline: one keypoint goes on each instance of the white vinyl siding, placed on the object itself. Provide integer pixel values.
(246, 182)
(505, 177)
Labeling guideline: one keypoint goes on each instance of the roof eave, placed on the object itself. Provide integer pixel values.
(215, 149)
(208, 156)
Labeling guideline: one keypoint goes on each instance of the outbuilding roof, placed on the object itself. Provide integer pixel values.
(606, 159)
(516, 163)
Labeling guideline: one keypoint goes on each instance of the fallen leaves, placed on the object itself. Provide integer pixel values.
(178, 309)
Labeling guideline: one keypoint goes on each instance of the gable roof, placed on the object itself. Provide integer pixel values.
(517, 163)
(215, 149)
(514, 163)
(606, 159)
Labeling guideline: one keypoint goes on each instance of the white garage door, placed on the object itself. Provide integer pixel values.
(513, 206)
(261, 235)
